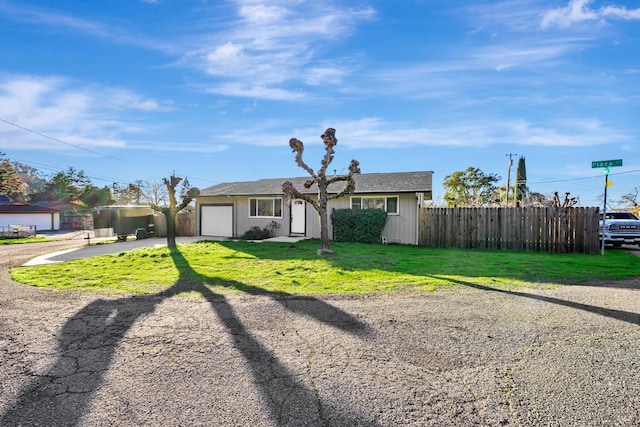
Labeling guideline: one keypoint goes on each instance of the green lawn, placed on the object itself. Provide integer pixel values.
(17, 240)
(294, 268)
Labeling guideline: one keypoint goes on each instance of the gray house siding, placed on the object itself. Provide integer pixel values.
(401, 227)
(241, 220)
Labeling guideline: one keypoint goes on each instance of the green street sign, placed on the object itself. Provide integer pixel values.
(606, 163)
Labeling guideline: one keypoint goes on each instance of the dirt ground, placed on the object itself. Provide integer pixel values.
(481, 356)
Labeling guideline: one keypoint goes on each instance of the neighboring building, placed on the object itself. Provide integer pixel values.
(18, 214)
(73, 215)
(230, 209)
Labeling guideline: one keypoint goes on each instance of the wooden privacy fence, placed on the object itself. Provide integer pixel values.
(185, 224)
(540, 229)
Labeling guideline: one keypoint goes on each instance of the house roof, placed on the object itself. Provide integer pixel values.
(394, 182)
(18, 207)
(61, 205)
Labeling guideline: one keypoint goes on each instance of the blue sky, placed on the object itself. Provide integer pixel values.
(214, 90)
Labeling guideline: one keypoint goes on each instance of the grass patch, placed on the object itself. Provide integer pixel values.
(294, 268)
(5, 240)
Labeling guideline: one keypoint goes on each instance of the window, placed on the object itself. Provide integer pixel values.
(266, 207)
(387, 204)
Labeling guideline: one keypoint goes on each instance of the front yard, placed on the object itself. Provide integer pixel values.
(294, 268)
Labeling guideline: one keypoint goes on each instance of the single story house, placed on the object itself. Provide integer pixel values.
(26, 215)
(230, 209)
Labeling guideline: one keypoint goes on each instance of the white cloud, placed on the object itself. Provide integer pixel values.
(178, 146)
(374, 132)
(620, 12)
(61, 109)
(262, 14)
(495, 16)
(475, 69)
(247, 90)
(276, 44)
(272, 49)
(325, 74)
(579, 11)
(53, 18)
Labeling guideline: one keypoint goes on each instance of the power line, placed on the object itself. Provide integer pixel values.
(59, 169)
(58, 140)
(584, 177)
(113, 180)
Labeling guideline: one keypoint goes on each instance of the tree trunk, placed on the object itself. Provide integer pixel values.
(324, 229)
(171, 228)
(324, 224)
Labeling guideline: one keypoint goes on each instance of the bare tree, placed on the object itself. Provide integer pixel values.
(567, 202)
(154, 192)
(630, 201)
(172, 210)
(322, 182)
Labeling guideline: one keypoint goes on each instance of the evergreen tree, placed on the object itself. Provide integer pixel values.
(520, 190)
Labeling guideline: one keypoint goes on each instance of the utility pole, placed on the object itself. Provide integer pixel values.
(509, 174)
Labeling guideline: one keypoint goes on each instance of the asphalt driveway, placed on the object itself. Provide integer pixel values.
(480, 356)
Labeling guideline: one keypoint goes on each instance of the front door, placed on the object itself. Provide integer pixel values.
(298, 217)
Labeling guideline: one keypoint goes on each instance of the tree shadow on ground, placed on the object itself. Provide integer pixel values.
(625, 316)
(386, 259)
(87, 344)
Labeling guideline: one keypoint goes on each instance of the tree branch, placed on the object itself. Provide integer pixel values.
(290, 191)
(298, 147)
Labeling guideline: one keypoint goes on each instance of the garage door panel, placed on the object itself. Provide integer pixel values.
(217, 221)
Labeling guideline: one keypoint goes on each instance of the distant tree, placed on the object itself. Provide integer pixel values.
(565, 202)
(630, 201)
(31, 177)
(185, 186)
(10, 183)
(66, 186)
(93, 196)
(470, 188)
(538, 199)
(172, 210)
(498, 197)
(520, 190)
(130, 194)
(155, 192)
(322, 183)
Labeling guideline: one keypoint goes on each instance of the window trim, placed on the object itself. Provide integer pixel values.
(385, 197)
(273, 207)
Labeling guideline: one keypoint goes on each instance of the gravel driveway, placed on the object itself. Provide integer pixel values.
(481, 356)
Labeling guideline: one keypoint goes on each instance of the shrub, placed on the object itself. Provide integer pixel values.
(358, 225)
(256, 233)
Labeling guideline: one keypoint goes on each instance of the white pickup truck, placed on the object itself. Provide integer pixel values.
(620, 228)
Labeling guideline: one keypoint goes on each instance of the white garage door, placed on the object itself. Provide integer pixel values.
(216, 221)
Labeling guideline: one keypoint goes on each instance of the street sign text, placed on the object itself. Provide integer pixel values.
(606, 163)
